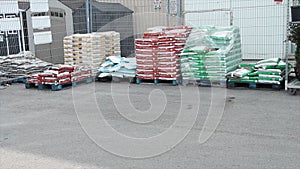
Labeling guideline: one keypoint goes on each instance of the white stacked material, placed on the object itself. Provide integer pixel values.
(91, 49)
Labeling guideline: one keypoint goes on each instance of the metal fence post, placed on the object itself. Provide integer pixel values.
(22, 31)
(91, 15)
(168, 12)
(287, 44)
(87, 12)
(231, 13)
(182, 12)
(7, 42)
(179, 12)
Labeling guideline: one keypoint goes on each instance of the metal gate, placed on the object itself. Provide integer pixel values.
(263, 24)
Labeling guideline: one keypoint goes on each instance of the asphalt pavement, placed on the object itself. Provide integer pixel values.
(45, 129)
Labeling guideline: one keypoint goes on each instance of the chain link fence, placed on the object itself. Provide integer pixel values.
(263, 24)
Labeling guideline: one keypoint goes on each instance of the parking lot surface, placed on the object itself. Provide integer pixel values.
(41, 129)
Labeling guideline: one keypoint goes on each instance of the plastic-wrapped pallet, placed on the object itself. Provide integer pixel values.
(91, 49)
(157, 54)
(210, 53)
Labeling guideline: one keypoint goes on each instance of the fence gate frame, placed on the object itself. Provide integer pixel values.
(282, 49)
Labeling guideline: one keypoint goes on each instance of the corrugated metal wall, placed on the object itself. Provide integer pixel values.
(262, 23)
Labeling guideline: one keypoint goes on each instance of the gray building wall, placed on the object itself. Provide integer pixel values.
(60, 27)
(68, 15)
(54, 52)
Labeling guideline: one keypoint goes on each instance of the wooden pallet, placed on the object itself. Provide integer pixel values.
(203, 83)
(213, 83)
(13, 80)
(58, 87)
(124, 79)
(254, 85)
(20, 80)
(157, 81)
(190, 81)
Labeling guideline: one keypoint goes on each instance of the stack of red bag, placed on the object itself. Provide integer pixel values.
(81, 73)
(181, 34)
(146, 56)
(56, 75)
(59, 75)
(157, 53)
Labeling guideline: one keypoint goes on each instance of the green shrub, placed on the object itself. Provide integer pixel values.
(294, 36)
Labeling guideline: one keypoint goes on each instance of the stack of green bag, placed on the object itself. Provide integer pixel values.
(269, 71)
(210, 53)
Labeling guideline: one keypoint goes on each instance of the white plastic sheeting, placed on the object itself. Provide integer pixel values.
(9, 6)
(39, 5)
(41, 22)
(10, 24)
(42, 37)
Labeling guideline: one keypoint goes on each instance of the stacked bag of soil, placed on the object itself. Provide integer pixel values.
(269, 71)
(157, 53)
(23, 64)
(60, 75)
(117, 66)
(210, 53)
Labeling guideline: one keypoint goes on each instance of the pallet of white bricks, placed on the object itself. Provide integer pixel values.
(91, 49)
(157, 54)
(60, 77)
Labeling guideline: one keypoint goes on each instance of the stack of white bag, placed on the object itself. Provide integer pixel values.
(117, 66)
(91, 49)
